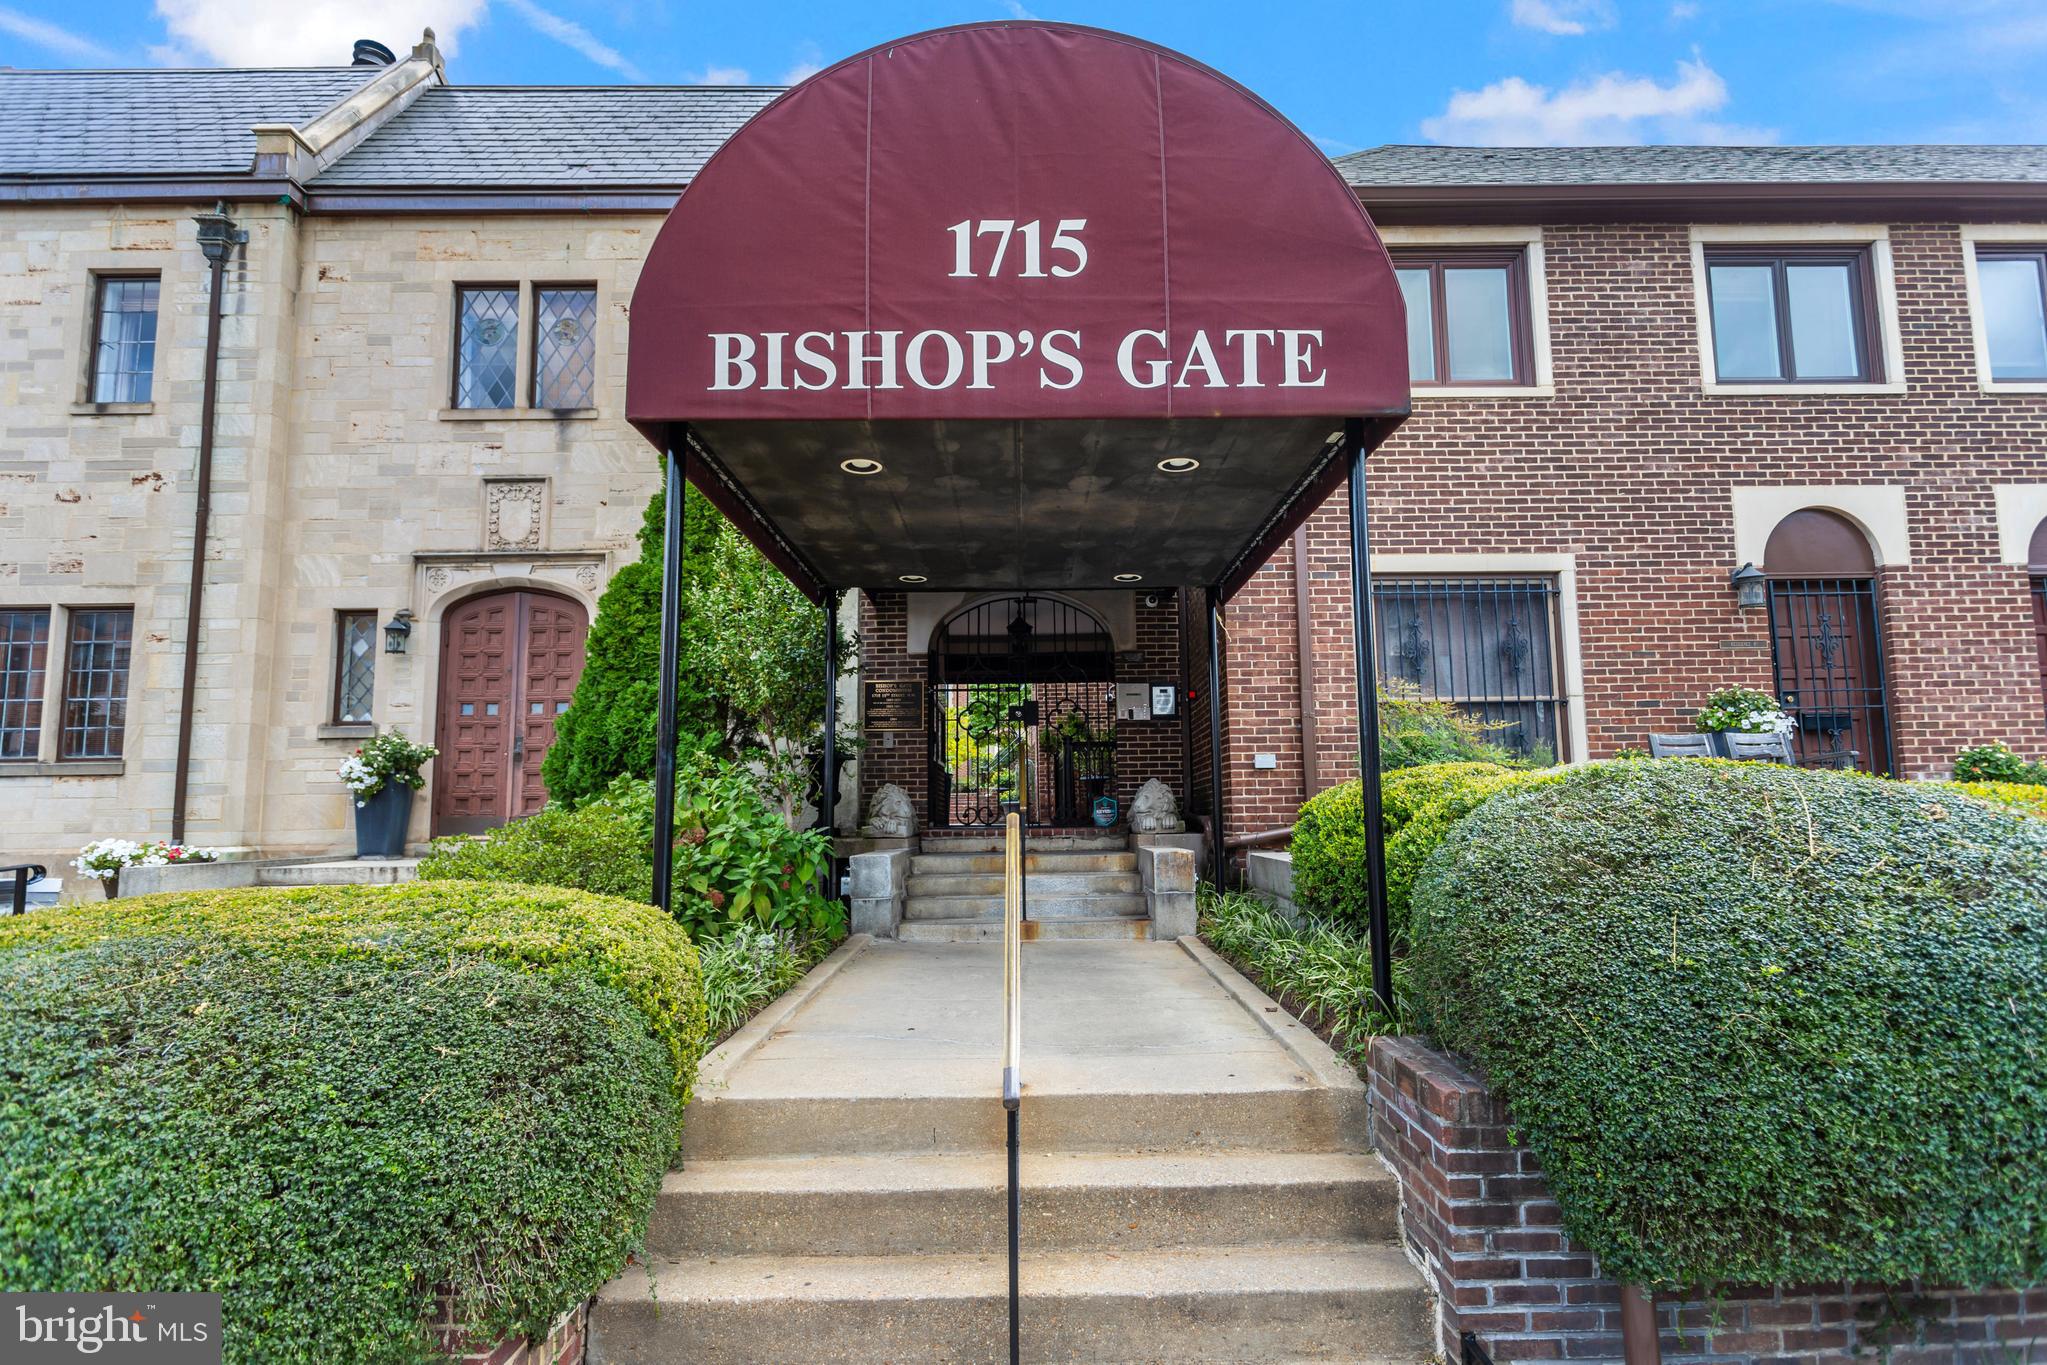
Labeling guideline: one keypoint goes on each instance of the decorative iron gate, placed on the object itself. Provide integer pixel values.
(1490, 645)
(1826, 652)
(990, 752)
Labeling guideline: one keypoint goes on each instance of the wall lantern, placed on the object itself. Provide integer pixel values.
(1751, 587)
(397, 630)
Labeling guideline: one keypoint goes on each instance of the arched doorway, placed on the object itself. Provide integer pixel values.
(1023, 712)
(509, 665)
(1826, 641)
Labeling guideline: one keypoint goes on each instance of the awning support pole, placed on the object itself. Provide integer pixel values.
(1215, 734)
(671, 668)
(828, 798)
(1368, 717)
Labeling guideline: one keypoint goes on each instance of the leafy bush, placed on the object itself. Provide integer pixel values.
(325, 1102)
(1407, 852)
(1329, 833)
(1997, 763)
(1323, 968)
(748, 968)
(1414, 730)
(602, 846)
(1760, 1025)
(2024, 796)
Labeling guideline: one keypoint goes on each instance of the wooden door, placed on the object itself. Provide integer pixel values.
(509, 664)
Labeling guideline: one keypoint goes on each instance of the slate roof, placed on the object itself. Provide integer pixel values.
(544, 136)
(155, 121)
(1413, 166)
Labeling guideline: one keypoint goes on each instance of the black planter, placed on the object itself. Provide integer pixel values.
(380, 822)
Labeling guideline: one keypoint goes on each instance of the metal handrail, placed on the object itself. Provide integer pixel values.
(1012, 1042)
(21, 874)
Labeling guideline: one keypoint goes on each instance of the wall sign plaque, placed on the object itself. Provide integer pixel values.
(895, 706)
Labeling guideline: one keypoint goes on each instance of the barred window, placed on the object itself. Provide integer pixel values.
(96, 683)
(24, 655)
(486, 347)
(1490, 645)
(355, 666)
(124, 339)
(564, 347)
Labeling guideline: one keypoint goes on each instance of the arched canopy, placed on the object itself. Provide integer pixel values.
(1816, 543)
(1016, 265)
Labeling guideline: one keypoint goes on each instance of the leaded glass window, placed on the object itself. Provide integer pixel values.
(355, 667)
(564, 348)
(96, 683)
(24, 655)
(124, 339)
(486, 347)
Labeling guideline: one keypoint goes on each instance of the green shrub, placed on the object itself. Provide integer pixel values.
(1759, 1025)
(2028, 797)
(1414, 730)
(602, 846)
(1407, 852)
(748, 968)
(323, 1103)
(1322, 967)
(1997, 763)
(1329, 833)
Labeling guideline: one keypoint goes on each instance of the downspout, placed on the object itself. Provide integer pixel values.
(218, 235)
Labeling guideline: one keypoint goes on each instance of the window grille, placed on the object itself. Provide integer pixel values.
(24, 655)
(96, 683)
(124, 339)
(1491, 646)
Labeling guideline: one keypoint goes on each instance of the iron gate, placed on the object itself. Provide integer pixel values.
(1826, 654)
(987, 756)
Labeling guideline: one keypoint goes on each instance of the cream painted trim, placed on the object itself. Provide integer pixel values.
(2021, 507)
(1877, 509)
(1530, 240)
(1878, 239)
(1565, 567)
(1993, 234)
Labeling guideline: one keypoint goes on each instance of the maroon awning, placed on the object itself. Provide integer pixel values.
(1017, 265)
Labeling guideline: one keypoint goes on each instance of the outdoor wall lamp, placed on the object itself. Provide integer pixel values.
(1751, 587)
(397, 630)
(217, 232)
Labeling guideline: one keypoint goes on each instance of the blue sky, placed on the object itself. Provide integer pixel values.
(1351, 74)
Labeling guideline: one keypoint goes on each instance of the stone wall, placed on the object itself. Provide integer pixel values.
(1477, 1216)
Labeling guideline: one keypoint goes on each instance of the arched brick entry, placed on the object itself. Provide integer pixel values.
(509, 665)
(1826, 642)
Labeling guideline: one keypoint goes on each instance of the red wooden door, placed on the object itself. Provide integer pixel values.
(509, 664)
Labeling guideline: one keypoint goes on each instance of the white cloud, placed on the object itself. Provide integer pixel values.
(723, 75)
(1683, 11)
(1562, 17)
(1607, 110)
(1016, 10)
(575, 37)
(311, 33)
(809, 61)
(50, 38)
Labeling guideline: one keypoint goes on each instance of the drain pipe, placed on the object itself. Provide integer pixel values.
(218, 236)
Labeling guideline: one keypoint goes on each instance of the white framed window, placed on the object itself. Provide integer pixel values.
(2006, 271)
(1794, 309)
(1478, 310)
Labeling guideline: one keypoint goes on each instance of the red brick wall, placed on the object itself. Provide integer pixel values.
(565, 1344)
(1152, 748)
(1476, 1214)
(900, 757)
(1629, 468)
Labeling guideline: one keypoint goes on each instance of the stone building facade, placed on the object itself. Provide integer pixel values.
(371, 469)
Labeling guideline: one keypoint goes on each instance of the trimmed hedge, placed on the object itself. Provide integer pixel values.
(1759, 1025)
(323, 1103)
(2023, 796)
(1329, 833)
(1408, 851)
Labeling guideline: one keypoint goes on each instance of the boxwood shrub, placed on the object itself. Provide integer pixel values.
(1759, 1025)
(323, 1103)
(2023, 796)
(1329, 833)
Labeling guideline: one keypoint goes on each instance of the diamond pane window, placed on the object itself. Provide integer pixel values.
(124, 340)
(355, 667)
(564, 348)
(486, 347)
(96, 683)
(24, 654)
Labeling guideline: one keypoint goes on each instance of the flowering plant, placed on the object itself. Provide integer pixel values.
(1744, 711)
(104, 858)
(389, 757)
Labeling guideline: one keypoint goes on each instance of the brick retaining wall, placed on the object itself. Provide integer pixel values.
(1476, 1212)
(563, 1345)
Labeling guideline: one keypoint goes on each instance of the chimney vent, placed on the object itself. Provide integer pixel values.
(370, 52)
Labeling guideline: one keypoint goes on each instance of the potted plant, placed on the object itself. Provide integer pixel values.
(383, 774)
(1742, 711)
(104, 858)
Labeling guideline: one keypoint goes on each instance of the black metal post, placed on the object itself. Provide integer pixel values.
(21, 875)
(828, 794)
(1015, 1241)
(1215, 734)
(1368, 717)
(671, 669)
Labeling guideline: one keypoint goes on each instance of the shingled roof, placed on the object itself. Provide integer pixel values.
(541, 136)
(156, 121)
(1415, 166)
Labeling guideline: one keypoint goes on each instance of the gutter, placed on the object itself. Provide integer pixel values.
(1718, 201)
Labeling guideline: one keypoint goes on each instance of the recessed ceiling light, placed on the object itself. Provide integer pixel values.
(861, 465)
(1179, 464)
(1129, 578)
(911, 578)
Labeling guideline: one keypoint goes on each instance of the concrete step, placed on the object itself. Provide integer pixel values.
(1300, 1301)
(348, 872)
(1072, 1201)
(964, 864)
(1128, 904)
(1260, 1118)
(985, 930)
(1036, 883)
(1043, 843)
